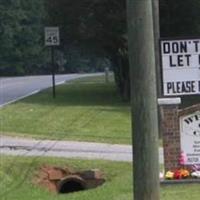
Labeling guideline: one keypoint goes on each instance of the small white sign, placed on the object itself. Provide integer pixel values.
(52, 36)
(180, 67)
(190, 137)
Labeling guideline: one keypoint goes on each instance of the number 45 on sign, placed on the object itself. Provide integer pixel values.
(52, 36)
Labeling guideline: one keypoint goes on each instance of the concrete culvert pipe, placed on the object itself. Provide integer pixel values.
(71, 183)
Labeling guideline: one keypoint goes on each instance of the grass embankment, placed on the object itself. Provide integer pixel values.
(17, 179)
(16, 175)
(86, 110)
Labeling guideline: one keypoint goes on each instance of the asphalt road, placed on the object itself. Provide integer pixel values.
(15, 88)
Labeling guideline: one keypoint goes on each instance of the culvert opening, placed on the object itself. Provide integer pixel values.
(71, 184)
(66, 180)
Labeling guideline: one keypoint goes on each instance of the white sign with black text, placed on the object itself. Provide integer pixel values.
(180, 66)
(52, 36)
(190, 138)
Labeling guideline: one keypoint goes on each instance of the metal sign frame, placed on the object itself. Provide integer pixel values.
(52, 36)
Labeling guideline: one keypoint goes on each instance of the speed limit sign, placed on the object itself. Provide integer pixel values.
(52, 36)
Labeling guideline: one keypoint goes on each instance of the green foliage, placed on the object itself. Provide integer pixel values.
(92, 31)
(180, 18)
(99, 22)
(85, 34)
(95, 30)
(21, 27)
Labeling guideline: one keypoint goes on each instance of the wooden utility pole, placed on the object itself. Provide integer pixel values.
(156, 21)
(143, 99)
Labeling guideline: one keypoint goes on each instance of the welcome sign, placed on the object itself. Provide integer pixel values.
(180, 66)
(190, 137)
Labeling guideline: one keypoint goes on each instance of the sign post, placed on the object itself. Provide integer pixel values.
(53, 72)
(181, 66)
(52, 39)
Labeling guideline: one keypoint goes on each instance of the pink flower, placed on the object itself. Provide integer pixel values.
(183, 158)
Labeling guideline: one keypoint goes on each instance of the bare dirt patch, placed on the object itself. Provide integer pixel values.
(66, 180)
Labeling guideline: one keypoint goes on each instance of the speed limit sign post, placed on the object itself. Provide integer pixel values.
(52, 36)
(52, 39)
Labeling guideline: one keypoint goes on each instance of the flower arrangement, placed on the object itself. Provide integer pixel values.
(183, 172)
(195, 174)
(177, 174)
(182, 158)
(195, 171)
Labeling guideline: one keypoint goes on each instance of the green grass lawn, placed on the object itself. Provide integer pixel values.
(86, 109)
(16, 179)
(16, 176)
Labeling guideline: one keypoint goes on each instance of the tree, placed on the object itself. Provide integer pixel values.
(179, 18)
(10, 15)
(21, 33)
(98, 27)
(30, 39)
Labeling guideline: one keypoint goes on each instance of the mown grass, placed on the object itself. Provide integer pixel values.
(86, 110)
(17, 179)
(17, 174)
